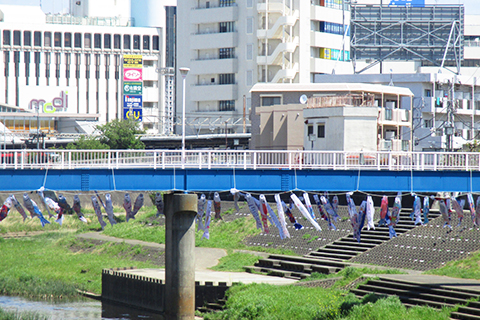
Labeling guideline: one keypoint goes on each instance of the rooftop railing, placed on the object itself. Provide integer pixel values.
(238, 159)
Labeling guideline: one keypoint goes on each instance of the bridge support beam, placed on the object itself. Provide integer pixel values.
(180, 212)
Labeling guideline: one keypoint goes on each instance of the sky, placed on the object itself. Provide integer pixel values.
(56, 6)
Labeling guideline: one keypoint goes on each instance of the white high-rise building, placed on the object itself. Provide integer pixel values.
(75, 62)
(229, 45)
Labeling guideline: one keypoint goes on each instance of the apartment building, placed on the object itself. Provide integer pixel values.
(230, 45)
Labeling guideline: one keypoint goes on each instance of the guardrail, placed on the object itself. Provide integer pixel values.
(239, 159)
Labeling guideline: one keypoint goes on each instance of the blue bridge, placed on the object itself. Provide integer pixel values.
(213, 170)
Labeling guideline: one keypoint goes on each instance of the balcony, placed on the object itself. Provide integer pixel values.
(214, 14)
(214, 40)
(394, 117)
(393, 145)
(214, 66)
(211, 92)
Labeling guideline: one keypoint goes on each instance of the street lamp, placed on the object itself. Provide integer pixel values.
(183, 72)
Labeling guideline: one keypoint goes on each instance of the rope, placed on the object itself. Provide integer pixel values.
(114, 185)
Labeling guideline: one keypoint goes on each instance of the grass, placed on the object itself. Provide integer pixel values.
(43, 266)
(466, 268)
(262, 301)
(10, 315)
(235, 261)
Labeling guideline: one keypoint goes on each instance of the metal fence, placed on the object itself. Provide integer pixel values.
(240, 159)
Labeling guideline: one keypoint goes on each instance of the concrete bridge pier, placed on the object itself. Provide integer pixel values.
(180, 212)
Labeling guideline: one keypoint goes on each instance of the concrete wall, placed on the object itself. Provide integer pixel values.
(346, 128)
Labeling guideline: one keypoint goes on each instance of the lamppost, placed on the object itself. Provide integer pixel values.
(37, 108)
(183, 72)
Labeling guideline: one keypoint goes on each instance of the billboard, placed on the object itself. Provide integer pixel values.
(132, 61)
(132, 88)
(132, 101)
(48, 99)
(407, 3)
(134, 113)
(130, 74)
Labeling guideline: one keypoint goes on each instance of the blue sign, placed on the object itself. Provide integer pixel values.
(407, 3)
(133, 113)
(132, 101)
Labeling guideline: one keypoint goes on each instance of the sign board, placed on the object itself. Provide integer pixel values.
(130, 74)
(132, 61)
(48, 99)
(132, 88)
(134, 113)
(132, 101)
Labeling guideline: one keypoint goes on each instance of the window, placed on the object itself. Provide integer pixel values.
(146, 42)
(27, 38)
(57, 39)
(67, 42)
(249, 25)
(270, 101)
(87, 40)
(227, 78)
(249, 80)
(77, 40)
(321, 130)
(156, 43)
(17, 41)
(116, 41)
(226, 3)
(249, 51)
(126, 41)
(227, 26)
(97, 41)
(309, 130)
(226, 53)
(428, 123)
(428, 93)
(6, 37)
(47, 39)
(107, 41)
(226, 105)
(136, 42)
(249, 3)
(37, 39)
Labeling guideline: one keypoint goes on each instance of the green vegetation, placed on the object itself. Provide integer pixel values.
(10, 315)
(262, 301)
(235, 261)
(116, 134)
(43, 266)
(466, 268)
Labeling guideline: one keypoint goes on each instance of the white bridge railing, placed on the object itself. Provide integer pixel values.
(239, 159)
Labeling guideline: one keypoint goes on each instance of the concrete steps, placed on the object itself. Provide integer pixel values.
(340, 250)
(421, 294)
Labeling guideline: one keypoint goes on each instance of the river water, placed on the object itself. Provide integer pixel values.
(77, 310)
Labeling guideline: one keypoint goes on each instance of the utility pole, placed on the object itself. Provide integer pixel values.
(449, 127)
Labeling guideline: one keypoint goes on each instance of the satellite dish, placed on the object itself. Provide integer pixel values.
(303, 99)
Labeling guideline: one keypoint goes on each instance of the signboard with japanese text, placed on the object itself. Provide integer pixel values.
(132, 61)
(132, 88)
(130, 74)
(132, 101)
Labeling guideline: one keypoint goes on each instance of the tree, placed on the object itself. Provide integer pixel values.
(87, 143)
(117, 134)
(120, 134)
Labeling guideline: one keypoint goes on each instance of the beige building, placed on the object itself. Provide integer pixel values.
(349, 117)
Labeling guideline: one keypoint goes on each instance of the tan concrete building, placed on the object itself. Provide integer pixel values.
(349, 117)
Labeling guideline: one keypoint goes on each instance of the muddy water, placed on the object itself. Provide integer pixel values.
(77, 310)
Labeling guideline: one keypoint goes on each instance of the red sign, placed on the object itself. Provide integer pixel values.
(130, 74)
